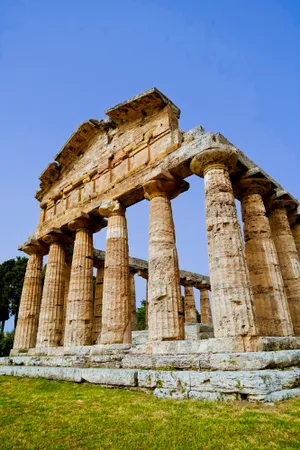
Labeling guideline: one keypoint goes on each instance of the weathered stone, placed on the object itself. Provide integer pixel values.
(288, 259)
(116, 313)
(133, 303)
(165, 314)
(97, 321)
(205, 310)
(28, 318)
(79, 317)
(230, 280)
(190, 312)
(111, 377)
(271, 307)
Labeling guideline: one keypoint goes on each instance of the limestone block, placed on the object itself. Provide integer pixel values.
(140, 337)
(271, 306)
(116, 313)
(165, 314)
(196, 331)
(170, 394)
(288, 260)
(111, 377)
(50, 373)
(78, 327)
(28, 319)
(164, 379)
(212, 396)
(277, 396)
(230, 280)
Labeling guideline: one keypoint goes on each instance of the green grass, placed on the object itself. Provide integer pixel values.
(42, 414)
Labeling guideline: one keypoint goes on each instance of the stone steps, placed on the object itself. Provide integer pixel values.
(257, 385)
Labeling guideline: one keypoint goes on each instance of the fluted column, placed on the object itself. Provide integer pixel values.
(288, 258)
(116, 314)
(97, 321)
(270, 302)
(144, 274)
(230, 280)
(50, 328)
(165, 312)
(79, 318)
(133, 303)
(28, 318)
(296, 234)
(205, 310)
(190, 313)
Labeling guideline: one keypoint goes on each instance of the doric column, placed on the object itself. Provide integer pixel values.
(205, 310)
(68, 265)
(133, 302)
(190, 313)
(144, 274)
(166, 320)
(295, 226)
(50, 328)
(270, 302)
(230, 280)
(116, 313)
(97, 321)
(79, 319)
(28, 318)
(288, 258)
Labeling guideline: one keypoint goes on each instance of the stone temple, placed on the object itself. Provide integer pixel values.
(69, 329)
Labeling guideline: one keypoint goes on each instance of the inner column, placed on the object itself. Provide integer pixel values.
(190, 313)
(230, 280)
(165, 311)
(116, 313)
(98, 298)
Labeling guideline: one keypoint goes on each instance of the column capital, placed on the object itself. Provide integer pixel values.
(86, 222)
(34, 246)
(143, 274)
(279, 201)
(294, 216)
(187, 282)
(109, 208)
(202, 287)
(57, 235)
(249, 185)
(212, 158)
(165, 185)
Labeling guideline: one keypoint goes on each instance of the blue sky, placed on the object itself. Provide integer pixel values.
(230, 65)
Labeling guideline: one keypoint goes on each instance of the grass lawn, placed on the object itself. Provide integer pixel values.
(42, 414)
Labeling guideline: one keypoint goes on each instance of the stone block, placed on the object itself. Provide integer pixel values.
(140, 337)
(212, 396)
(110, 377)
(170, 394)
(164, 378)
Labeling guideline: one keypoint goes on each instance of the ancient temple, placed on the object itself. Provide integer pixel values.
(139, 153)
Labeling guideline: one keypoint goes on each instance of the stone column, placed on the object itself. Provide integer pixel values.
(270, 302)
(166, 319)
(28, 318)
(79, 318)
(97, 322)
(50, 328)
(230, 280)
(144, 274)
(205, 310)
(68, 265)
(288, 258)
(133, 302)
(116, 314)
(295, 226)
(190, 313)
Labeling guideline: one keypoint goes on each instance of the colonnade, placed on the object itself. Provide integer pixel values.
(255, 277)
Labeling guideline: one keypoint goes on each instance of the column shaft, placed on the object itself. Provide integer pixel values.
(116, 318)
(271, 307)
(205, 310)
(78, 330)
(190, 313)
(288, 260)
(165, 312)
(51, 314)
(230, 280)
(68, 266)
(97, 322)
(133, 303)
(27, 324)
(296, 234)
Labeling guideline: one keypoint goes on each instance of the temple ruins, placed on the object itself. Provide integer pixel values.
(70, 329)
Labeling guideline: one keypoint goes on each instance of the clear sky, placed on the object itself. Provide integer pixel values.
(230, 65)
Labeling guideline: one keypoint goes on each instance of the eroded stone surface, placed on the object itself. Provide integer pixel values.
(98, 297)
